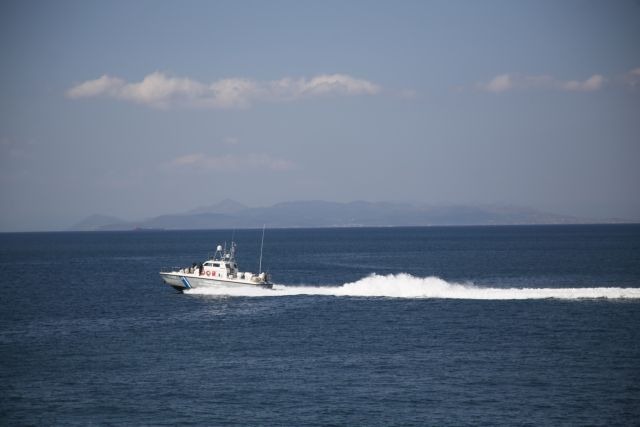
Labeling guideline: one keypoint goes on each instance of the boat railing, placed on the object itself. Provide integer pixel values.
(170, 269)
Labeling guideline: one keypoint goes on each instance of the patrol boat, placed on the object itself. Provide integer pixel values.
(219, 271)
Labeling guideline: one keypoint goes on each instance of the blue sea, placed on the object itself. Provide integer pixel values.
(526, 325)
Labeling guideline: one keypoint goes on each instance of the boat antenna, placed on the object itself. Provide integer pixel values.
(261, 245)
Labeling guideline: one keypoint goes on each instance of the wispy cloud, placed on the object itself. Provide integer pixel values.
(632, 78)
(232, 162)
(507, 82)
(500, 83)
(162, 91)
(591, 84)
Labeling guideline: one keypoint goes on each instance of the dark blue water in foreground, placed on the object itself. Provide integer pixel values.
(90, 335)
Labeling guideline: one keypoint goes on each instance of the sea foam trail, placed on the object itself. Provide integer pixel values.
(407, 286)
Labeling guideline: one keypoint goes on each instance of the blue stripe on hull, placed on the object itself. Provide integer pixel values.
(185, 282)
(179, 281)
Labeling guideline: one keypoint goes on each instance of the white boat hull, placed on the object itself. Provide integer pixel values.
(186, 281)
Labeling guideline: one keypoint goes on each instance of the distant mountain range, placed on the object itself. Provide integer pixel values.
(97, 222)
(231, 214)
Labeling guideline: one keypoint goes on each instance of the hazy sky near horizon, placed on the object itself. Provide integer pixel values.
(141, 108)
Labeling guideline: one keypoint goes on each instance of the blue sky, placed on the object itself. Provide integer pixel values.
(136, 109)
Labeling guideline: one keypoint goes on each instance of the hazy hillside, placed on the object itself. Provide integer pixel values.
(98, 222)
(231, 214)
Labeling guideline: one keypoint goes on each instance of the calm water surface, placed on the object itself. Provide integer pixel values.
(90, 335)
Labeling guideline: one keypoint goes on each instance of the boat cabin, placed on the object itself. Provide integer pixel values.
(219, 268)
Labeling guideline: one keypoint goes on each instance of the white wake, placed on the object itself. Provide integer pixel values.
(407, 286)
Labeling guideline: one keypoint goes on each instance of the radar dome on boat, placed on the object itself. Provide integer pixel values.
(219, 248)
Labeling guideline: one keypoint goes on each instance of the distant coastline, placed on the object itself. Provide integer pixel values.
(230, 214)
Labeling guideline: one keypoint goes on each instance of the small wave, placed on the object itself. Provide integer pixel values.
(407, 286)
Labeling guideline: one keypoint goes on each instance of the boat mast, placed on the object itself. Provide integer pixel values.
(233, 245)
(261, 245)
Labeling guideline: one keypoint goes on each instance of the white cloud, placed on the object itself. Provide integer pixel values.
(156, 90)
(232, 93)
(104, 85)
(506, 82)
(159, 90)
(335, 83)
(232, 162)
(499, 83)
(594, 82)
